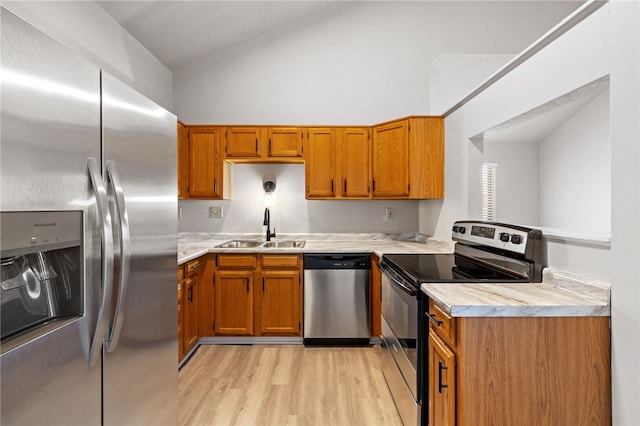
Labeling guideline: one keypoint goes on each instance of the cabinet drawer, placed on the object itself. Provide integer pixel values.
(193, 267)
(279, 261)
(236, 261)
(442, 323)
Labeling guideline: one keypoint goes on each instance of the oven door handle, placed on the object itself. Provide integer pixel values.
(404, 287)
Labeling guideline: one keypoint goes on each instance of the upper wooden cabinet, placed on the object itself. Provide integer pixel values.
(284, 142)
(205, 163)
(242, 142)
(320, 163)
(263, 144)
(337, 162)
(391, 160)
(400, 159)
(183, 160)
(408, 158)
(354, 159)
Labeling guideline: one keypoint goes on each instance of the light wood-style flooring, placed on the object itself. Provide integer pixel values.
(285, 385)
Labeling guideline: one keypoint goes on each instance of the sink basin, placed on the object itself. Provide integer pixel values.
(284, 244)
(240, 244)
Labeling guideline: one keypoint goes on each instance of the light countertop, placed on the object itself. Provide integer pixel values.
(193, 245)
(559, 294)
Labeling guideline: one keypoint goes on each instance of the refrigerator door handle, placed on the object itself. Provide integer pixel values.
(100, 192)
(113, 334)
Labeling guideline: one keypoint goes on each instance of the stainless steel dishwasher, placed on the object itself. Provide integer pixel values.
(336, 299)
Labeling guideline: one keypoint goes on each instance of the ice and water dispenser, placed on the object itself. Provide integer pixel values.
(42, 269)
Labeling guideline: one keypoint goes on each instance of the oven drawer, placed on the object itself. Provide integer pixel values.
(400, 358)
(409, 409)
(442, 323)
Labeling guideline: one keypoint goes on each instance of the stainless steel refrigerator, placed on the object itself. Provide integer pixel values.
(88, 207)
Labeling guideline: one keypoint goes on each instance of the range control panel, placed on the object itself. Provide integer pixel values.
(499, 235)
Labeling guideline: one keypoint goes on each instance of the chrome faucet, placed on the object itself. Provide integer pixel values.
(267, 223)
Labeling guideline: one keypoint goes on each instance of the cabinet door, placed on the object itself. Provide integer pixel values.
(205, 299)
(190, 325)
(242, 142)
(233, 303)
(280, 303)
(285, 142)
(320, 169)
(390, 166)
(183, 161)
(354, 162)
(205, 163)
(442, 383)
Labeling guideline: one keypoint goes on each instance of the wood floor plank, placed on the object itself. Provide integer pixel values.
(255, 385)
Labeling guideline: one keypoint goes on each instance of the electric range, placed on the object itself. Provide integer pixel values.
(484, 252)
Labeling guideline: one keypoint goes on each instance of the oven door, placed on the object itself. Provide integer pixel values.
(400, 344)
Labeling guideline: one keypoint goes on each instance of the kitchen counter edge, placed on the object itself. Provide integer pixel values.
(560, 294)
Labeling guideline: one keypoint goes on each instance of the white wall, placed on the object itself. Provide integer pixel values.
(561, 181)
(579, 57)
(625, 209)
(607, 42)
(454, 76)
(89, 31)
(291, 213)
(357, 63)
(575, 172)
(517, 198)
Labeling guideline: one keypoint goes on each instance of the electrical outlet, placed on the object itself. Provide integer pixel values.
(389, 214)
(215, 212)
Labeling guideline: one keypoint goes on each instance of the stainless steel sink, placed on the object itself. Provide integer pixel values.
(284, 244)
(240, 244)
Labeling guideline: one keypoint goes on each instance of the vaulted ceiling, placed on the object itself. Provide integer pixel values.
(181, 33)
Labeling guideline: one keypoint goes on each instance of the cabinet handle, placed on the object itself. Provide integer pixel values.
(256, 144)
(332, 186)
(215, 184)
(247, 285)
(190, 293)
(196, 266)
(433, 319)
(345, 187)
(373, 184)
(263, 284)
(269, 146)
(440, 385)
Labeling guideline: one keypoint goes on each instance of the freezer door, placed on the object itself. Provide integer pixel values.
(50, 126)
(140, 366)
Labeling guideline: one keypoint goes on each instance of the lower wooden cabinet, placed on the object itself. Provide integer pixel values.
(233, 306)
(442, 383)
(188, 285)
(279, 301)
(527, 371)
(206, 297)
(257, 295)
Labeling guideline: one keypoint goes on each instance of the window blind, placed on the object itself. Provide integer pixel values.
(489, 191)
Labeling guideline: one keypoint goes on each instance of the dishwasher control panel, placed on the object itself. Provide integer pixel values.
(337, 261)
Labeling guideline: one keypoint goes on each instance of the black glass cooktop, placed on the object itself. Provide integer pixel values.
(422, 268)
